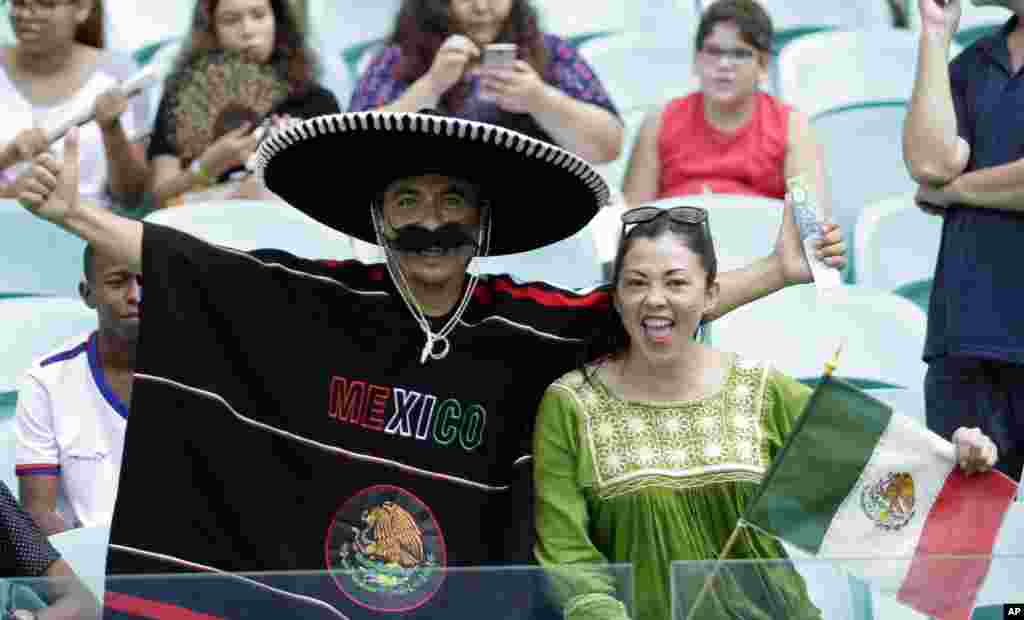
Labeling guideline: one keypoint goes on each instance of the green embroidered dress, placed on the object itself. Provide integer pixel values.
(651, 483)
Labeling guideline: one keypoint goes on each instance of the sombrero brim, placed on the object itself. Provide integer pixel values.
(331, 168)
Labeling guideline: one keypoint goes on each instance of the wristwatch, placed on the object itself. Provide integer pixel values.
(199, 172)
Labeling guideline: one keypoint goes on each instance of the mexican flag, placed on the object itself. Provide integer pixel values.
(857, 481)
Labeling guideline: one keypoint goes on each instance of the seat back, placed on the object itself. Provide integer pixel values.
(744, 228)
(262, 224)
(883, 335)
(31, 327)
(896, 243)
(863, 160)
(833, 69)
(37, 257)
(572, 263)
(85, 549)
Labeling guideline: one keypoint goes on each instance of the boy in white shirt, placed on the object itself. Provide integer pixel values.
(73, 407)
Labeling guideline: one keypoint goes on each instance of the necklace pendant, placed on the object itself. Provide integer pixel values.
(444, 351)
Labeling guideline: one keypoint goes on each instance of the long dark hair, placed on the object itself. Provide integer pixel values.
(291, 56)
(423, 25)
(610, 337)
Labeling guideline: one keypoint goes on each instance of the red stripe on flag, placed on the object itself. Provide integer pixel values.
(964, 521)
(154, 610)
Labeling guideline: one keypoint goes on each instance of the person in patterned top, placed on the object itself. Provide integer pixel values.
(26, 553)
(433, 60)
(650, 453)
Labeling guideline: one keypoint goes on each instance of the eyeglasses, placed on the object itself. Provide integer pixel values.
(679, 215)
(35, 6)
(739, 55)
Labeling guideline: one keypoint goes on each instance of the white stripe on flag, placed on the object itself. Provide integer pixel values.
(904, 447)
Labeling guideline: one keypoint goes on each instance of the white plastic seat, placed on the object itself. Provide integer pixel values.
(85, 549)
(572, 263)
(883, 335)
(37, 257)
(614, 172)
(643, 68)
(744, 228)
(334, 26)
(827, 70)
(7, 444)
(131, 24)
(31, 327)
(256, 224)
(863, 159)
(789, 14)
(896, 243)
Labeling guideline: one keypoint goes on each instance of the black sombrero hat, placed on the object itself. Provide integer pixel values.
(539, 193)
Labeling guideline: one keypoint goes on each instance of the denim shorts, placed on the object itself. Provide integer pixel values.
(988, 394)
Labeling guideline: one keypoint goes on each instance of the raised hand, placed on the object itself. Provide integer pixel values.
(975, 452)
(230, 150)
(450, 63)
(789, 248)
(51, 189)
(940, 15)
(28, 143)
(516, 88)
(109, 108)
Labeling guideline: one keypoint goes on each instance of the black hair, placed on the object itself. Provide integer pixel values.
(754, 23)
(610, 336)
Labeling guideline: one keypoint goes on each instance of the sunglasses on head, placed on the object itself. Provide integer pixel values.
(680, 215)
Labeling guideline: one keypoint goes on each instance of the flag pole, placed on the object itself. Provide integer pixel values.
(714, 572)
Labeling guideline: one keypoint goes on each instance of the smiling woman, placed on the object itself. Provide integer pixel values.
(435, 59)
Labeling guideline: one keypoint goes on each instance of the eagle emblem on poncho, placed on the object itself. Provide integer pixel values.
(385, 550)
(889, 501)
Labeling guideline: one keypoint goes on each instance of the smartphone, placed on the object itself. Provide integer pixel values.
(499, 54)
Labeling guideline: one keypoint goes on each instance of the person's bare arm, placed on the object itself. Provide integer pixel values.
(998, 187)
(52, 194)
(804, 158)
(933, 151)
(454, 56)
(128, 167)
(71, 599)
(583, 128)
(643, 173)
(38, 496)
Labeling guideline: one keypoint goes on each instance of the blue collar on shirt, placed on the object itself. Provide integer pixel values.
(995, 45)
(101, 380)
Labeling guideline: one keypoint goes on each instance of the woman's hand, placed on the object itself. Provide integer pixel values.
(450, 63)
(27, 144)
(110, 106)
(975, 452)
(51, 186)
(516, 88)
(229, 151)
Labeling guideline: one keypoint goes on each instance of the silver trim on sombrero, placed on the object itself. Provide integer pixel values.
(437, 125)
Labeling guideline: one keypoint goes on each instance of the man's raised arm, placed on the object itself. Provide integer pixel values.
(52, 194)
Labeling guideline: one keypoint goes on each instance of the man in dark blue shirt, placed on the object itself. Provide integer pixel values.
(964, 144)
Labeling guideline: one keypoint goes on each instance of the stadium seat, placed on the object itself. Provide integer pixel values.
(7, 442)
(132, 25)
(31, 327)
(164, 53)
(792, 19)
(827, 70)
(255, 224)
(36, 257)
(336, 26)
(882, 334)
(863, 159)
(85, 549)
(908, 401)
(744, 227)
(614, 172)
(643, 68)
(572, 263)
(896, 243)
(919, 293)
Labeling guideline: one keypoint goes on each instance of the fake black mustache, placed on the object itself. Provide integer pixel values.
(416, 238)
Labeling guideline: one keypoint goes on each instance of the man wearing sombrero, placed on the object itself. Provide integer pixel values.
(292, 414)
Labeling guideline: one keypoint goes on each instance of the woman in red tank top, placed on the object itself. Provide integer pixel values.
(729, 137)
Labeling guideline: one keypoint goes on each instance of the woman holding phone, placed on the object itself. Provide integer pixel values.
(440, 57)
(56, 69)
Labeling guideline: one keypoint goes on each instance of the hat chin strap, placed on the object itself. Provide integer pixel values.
(483, 244)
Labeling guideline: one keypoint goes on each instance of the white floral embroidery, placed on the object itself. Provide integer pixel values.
(740, 421)
(614, 462)
(673, 425)
(636, 426)
(606, 430)
(646, 455)
(743, 392)
(713, 451)
(746, 364)
(708, 424)
(678, 456)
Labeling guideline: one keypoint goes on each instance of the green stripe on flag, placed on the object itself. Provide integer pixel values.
(819, 464)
